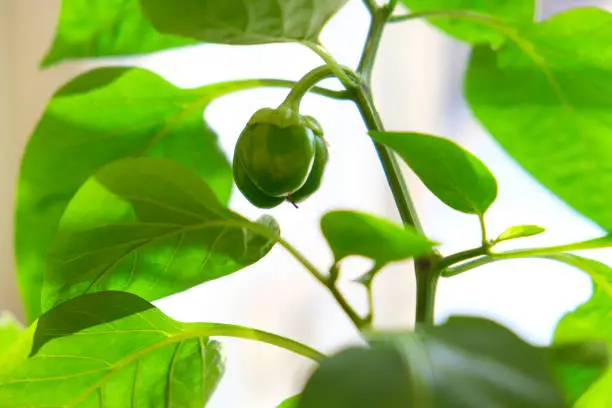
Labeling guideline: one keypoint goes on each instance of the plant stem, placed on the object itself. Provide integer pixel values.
(338, 70)
(370, 5)
(328, 281)
(603, 242)
(483, 231)
(426, 282)
(427, 273)
(214, 91)
(308, 82)
(400, 192)
(370, 50)
(462, 257)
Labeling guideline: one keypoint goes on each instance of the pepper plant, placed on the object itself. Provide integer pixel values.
(123, 192)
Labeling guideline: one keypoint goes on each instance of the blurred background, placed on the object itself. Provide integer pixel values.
(418, 86)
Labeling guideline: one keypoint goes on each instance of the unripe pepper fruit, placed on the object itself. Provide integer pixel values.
(280, 155)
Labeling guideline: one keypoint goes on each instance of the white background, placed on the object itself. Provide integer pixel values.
(418, 86)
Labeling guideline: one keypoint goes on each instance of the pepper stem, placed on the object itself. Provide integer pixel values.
(308, 81)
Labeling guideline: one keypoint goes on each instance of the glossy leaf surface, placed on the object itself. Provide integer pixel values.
(453, 174)
(544, 97)
(113, 349)
(519, 231)
(150, 227)
(242, 21)
(97, 118)
(476, 21)
(591, 321)
(352, 233)
(102, 28)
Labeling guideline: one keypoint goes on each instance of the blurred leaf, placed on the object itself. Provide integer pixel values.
(10, 328)
(591, 321)
(359, 378)
(101, 28)
(242, 21)
(150, 227)
(577, 366)
(99, 117)
(477, 21)
(519, 231)
(454, 175)
(352, 233)
(545, 98)
(466, 363)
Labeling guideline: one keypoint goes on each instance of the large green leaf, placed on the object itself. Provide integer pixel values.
(10, 328)
(242, 21)
(454, 175)
(150, 227)
(113, 349)
(590, 321)
(100, 28)
(465, 363)
(475, 21)
(545, 98)
(352, 233)
(99, 117)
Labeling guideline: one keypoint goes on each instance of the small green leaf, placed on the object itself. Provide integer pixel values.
(242, 21)
(150, 227)
(291, 402)
(10, 328)
(476, 21)
(591, 321)
(101, 28)
(352, 233)
(99, 117)
(543, 97)
(466, 363)
(113, 349)
(454, 175)
(519, 231)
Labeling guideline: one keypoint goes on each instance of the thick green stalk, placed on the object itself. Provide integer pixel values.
(427, 273)
(400, 192)
(427, 283)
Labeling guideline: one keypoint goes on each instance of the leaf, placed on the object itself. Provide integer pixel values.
(102, 28)
(590, 322)
(10, 328)
(113, 349)
(545, 99)
(359, 378)
(242, 21)
(466, 363)
(475, 21)
(600, 273)
(454, 175)
(99, 117)
(577, 366)
(150, 227)
(352, 233)
(519, 231)
(291, 402)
